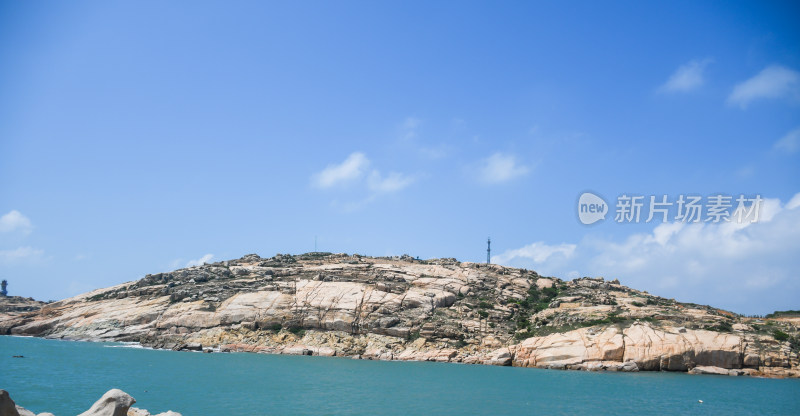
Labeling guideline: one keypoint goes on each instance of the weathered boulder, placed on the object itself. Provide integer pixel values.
(114, 403)
(500, 357)
(751, 360)
(629, 366)
(710, 370)
(194, 346)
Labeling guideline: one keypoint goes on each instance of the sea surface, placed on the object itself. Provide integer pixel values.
(66, 377)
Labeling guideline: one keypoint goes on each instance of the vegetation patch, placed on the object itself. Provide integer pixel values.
(778, 314)
(723, 326)
(612, 318)
(538, 300)
(780, 335)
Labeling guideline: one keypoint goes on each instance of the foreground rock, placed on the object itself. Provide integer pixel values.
(427, 310)
(114, 403)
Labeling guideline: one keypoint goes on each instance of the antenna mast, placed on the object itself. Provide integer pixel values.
(489, 250)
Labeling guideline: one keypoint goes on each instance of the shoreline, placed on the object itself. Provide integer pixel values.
(221, 349)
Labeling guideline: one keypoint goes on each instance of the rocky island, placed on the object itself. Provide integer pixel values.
(401, 308)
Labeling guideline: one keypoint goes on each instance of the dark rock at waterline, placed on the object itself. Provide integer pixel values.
(7, 406)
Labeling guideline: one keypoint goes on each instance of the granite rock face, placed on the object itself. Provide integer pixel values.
(407, 309)
(648, 348)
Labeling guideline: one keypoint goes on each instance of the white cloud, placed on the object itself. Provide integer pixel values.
(14, 221)
(175, 264)
(774, 81)
(365, 188)
(201, 261)
(746, 171)
(794, 202)
(501, 168)
(439, 151)
(538, 253)
(351, 169)
(408, 130)
(789, 143)
(20, 255)
(687, 77)
(408, 133)
(392, 182)
(748, 268)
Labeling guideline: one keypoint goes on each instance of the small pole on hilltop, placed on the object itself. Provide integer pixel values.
(489, 250)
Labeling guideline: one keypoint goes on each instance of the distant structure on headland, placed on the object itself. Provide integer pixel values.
(3, 285)
(489, 250)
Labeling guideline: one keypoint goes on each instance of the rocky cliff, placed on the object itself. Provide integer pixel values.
(407, 309)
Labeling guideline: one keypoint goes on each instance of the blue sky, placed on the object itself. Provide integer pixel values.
(141, 137)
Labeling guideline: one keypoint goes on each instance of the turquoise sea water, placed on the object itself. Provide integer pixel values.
(66, 377)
